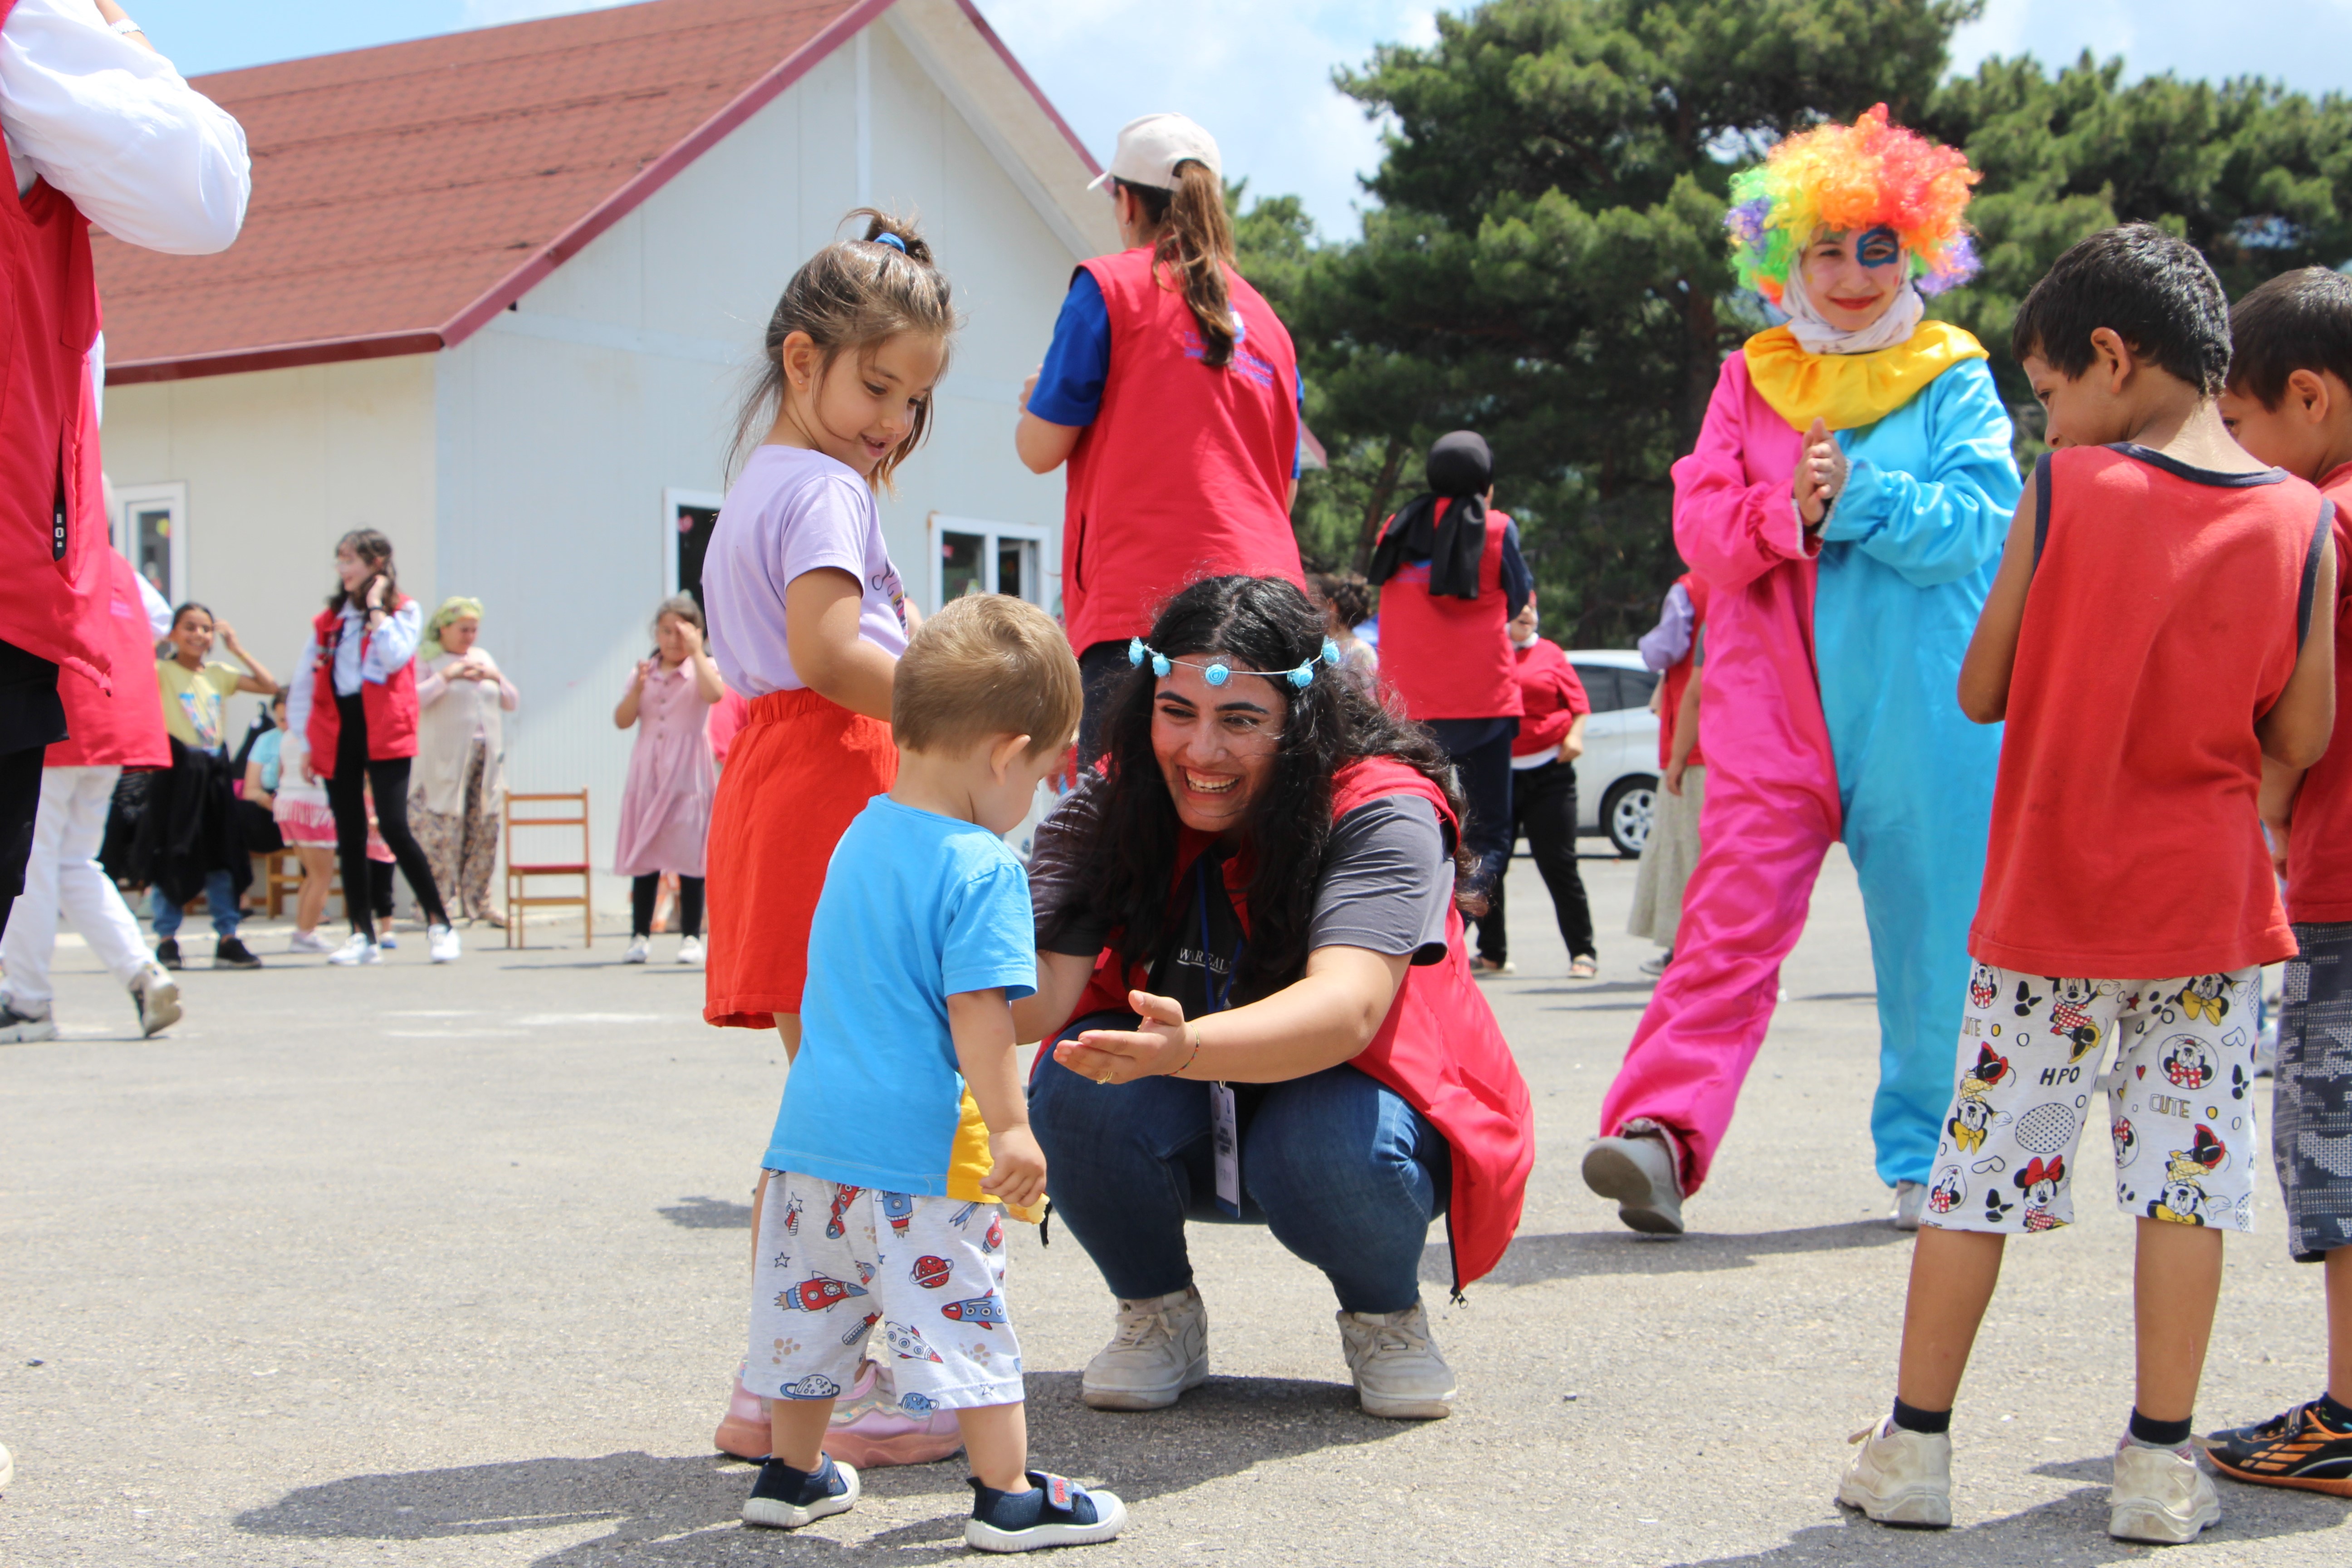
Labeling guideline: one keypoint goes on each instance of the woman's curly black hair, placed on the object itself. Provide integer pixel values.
(1126, 870)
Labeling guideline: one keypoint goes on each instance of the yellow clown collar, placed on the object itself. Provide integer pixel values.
(1846, 392)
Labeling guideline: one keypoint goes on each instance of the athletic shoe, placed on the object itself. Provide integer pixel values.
(1399, 1374)
(309, 941)
(1900, 1476)
(786, 1498)
(444, 942)
(1638, 1171)
(2297, 1449)
(2160, 1495)
(385, 938)
(157, 996)
(743, 1431)
(167, 952)
(357, 948)
(1485, 966)
(1159, 1350)
(23, 1028)
(230, 953)
(640, 949)
(690, 952)
(873, 1424)
(1055, 1511)
(1653, 967)
(1910, 1198)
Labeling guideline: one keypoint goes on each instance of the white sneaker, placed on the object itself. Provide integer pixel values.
(2160, 1495)
(356, 948)
(1160, 1349)
(1398, 1371)
(640, 949)
(157, 996)
(690, 950)
(1637, 1171)
(1900, 1476)
(309, 941)
(443, 941)
(24, 1030)
(1910, 1201)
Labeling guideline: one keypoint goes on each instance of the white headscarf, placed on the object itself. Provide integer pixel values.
(1815, 336)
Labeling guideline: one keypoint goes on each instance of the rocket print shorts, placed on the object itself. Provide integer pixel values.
(2311, 1112)
(924, 1275)
(2179, 1092)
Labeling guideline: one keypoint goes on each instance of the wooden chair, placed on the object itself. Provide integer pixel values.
(280, 873)
(547, 811)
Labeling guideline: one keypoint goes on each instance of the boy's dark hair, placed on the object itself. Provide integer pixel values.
(2298, 321)
(2154, 291)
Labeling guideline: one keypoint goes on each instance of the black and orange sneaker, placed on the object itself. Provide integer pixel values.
(2298, 1449)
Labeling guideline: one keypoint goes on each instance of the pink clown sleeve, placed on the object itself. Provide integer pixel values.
(1731, 525)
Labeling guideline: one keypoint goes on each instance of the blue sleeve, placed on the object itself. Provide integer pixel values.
(1518, 582)
(1070, 383)
(1951, 518)
(1300, 451)
(992, 936)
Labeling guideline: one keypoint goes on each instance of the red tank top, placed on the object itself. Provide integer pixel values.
(1446, 658)
(2162, 619)
(1185, 471)
(124, 728)
(2319, 846)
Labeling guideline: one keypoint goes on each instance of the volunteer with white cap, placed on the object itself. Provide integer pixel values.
(1172, 391)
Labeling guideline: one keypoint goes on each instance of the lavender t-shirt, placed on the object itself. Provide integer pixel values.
(793, 510)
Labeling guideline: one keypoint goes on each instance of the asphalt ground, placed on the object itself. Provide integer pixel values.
(448, 1267)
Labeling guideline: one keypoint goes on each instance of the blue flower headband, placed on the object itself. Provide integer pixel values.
(1217, 672)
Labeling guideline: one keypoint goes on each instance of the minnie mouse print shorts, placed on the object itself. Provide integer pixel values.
(2180, 1088)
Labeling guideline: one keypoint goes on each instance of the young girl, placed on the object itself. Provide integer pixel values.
(666, 804)
(812, 618)
(193, 688)
(357, 709)
(277, 776)
(1347, 601)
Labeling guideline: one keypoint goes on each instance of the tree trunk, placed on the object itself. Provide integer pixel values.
(1698, 384)
(1377, 508)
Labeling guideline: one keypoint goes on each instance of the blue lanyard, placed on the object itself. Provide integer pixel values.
(1219, 999)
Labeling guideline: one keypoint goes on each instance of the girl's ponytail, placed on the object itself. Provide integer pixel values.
(1196, 244)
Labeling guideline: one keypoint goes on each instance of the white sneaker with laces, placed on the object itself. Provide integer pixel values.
(157, 996)
(356, 948)
(2160, 1495)
(443, 942)
(309, 941)
(1399, 1374)
(23, 1028)
(1160, 1349)
(690, 950)
(640, 949)
(1910, 1201)
(1900, 1476)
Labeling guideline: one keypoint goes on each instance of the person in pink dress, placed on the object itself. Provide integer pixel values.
(665, 804)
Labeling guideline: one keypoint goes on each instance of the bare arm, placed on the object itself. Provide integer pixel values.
(2296, 730)
(1992, 651)
(982, 1026)
(1042, 445)
(1324, 1018)
(626, 714)
(820, 633)
(1686, 739)
(260, 679)
(1061, 980)
(2280, 784)
(1571, 745)
(254, 791)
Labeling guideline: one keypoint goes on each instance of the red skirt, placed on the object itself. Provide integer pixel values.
(801, 769)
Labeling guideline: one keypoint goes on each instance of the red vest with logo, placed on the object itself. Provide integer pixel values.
(1439, 1050)
(1448, 657)
(1185, 472)
(52, 518)
(390, 704)
(123, 729)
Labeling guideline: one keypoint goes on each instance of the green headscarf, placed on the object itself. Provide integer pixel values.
(456, 607)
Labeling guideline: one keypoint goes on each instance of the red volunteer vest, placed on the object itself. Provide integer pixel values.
(123, 729)
(52, 519)
(1440, 1048)
(1446, 658)
(390, 705)
(1678, 676)
(1185, 471)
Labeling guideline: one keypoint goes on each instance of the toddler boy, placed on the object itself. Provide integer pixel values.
(2145, 642)
(922, 938)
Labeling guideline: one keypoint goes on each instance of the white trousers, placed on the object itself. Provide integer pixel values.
(63, 874)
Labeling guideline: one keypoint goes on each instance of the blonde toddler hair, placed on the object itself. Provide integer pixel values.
(989, 664)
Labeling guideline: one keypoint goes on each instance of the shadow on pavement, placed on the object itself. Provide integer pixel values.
(708, 1213)
(1583, 1254)
(691, 1505)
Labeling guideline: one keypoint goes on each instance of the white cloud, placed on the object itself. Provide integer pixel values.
(2303, 43)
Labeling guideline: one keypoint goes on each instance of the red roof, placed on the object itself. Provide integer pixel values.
(404, 194)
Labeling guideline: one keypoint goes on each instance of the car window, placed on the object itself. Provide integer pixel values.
(1634, 686)
(1601, 686)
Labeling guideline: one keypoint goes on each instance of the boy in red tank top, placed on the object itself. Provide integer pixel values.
(2144, 642)
(2289, 402)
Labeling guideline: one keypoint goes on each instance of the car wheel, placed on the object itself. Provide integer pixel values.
(1626, 812)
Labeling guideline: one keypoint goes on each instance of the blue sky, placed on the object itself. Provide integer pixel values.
(1258, 74)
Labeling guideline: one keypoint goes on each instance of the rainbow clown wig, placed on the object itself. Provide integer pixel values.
(1869, 174)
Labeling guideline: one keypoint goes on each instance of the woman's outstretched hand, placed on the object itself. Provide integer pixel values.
(1160, 1046)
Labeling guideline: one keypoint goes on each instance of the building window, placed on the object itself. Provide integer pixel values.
(688, 518)
(970, 556)
(150, 529)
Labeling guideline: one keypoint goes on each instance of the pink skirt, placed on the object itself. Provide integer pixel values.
(310, 824)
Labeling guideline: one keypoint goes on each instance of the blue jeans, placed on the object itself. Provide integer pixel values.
(220, 898)
(1345, 1172)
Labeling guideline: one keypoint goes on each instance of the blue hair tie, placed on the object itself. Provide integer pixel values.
(892, 241)
(1330, 655)
(1217, 672)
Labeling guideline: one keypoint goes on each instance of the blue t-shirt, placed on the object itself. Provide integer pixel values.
(266, 751)
(1069, 388)
(915, 908)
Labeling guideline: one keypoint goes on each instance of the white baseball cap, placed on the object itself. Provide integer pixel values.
(1150, 148)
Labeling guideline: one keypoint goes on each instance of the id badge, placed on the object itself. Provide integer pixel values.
(1224, 1132)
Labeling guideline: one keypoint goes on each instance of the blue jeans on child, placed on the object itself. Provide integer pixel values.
(220, 900)
(1345, 1172)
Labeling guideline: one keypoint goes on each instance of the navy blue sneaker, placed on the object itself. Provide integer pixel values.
(1054, 1512)
(786, 1498)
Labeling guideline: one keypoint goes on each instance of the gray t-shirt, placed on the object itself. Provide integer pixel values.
(1387, 880)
